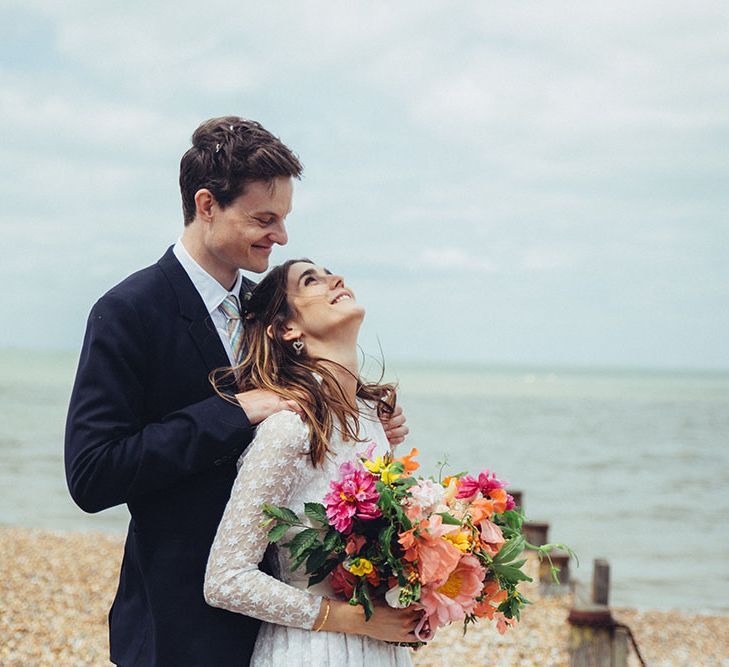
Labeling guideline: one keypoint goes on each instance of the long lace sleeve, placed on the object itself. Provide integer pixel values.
(273, 466)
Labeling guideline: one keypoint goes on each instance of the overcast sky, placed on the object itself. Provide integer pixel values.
(522, 182)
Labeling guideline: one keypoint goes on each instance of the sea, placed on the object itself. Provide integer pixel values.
(627, 465)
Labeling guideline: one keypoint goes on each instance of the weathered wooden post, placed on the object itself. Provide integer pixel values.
(561, 560)
(595, 641)
(601, 581)
(536, 532)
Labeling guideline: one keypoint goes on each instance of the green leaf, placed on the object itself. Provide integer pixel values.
(298, 561)
(303, 541)
(323, 571)
(449, 519)
(277, 532)
(280, 513)
(272, 511)
(405, 482)
(397, 467)
(332, 540)
(316, 560)
(510, 573)
(365, 599)
(386, 535)
(316, 512)
(289, 516)
(510, 550)
(386, 501)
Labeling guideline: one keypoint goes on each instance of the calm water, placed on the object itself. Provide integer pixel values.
(628, 466)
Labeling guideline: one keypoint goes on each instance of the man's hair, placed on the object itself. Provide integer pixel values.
(226, 154)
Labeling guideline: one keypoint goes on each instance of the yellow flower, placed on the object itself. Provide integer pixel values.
(381, 466)
(460, 540)
(361, 567)
(374, 466)
(451, 488)
(389, 477)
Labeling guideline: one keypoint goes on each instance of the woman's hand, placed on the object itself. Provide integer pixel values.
(386, 624)
(394, 425)
(393, 625)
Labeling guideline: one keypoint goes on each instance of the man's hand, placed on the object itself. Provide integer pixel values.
(258, 404)
(394, 425)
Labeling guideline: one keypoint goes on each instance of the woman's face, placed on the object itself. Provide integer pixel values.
(323, 304)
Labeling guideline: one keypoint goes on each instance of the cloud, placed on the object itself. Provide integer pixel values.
(555, 155)
(456, 259)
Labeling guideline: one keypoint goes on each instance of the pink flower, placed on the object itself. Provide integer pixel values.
(469, 487)
(353, 496)
(491, 536)
(450, 599)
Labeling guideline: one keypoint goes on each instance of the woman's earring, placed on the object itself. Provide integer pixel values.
(298, 346)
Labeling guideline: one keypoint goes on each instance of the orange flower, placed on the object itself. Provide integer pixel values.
(408, 464)
(354, 544)
(436, 557)
(492, 539)
(499, 498)
(493, 597)
(502, 623)
(480, 509)
(409, 542)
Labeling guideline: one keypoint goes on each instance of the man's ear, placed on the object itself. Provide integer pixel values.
(204, 202)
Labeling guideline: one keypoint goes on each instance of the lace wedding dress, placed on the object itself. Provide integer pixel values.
(276, 469)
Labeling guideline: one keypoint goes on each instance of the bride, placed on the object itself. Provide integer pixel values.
(301, 334)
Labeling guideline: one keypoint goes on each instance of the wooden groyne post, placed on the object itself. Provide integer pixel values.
(596, 639)
(537, 533)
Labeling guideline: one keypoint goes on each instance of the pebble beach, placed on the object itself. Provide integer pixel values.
(56, 589)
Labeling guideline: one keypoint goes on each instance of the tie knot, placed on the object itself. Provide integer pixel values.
(230, 307)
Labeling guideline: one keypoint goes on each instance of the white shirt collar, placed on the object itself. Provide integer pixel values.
(211, 291)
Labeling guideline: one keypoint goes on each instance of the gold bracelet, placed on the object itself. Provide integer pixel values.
(326, 616)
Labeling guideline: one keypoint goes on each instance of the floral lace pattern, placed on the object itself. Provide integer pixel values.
(271, 470)
(276, 469)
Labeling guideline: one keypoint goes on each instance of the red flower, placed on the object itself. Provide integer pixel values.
(343, 582)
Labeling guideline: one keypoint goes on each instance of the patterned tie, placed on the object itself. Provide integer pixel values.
(234, 325)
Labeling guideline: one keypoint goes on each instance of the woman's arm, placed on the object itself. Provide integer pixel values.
(275, 464)
(272, 468)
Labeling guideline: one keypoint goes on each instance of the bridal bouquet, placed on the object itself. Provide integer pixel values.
(452, 547)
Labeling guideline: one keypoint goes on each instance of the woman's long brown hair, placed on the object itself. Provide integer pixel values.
(271, 363)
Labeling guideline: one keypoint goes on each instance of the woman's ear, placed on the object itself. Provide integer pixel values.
(290, 332)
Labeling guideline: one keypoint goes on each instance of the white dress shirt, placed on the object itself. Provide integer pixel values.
(211, 292)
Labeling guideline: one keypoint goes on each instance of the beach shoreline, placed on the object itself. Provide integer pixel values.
(56, 589)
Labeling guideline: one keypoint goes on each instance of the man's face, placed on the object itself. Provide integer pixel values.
(242, 235)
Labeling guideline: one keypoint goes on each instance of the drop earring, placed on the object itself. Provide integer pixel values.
(298, 346)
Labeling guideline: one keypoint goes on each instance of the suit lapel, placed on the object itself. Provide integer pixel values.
(192, 309)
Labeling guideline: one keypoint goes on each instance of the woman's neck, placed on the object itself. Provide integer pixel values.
(344, 365)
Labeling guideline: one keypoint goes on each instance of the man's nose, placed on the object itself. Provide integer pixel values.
(279, 234)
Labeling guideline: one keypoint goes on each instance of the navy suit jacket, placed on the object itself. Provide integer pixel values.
(146, 429)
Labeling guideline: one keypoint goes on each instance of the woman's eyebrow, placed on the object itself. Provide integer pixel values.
(308, 272)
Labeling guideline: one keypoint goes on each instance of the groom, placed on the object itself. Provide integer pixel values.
(144, 425)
